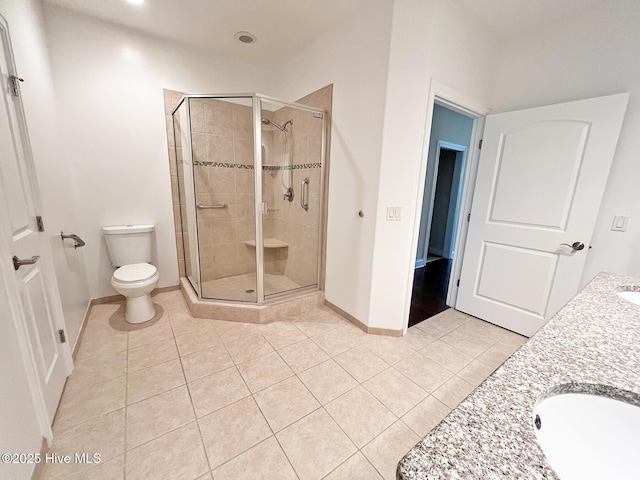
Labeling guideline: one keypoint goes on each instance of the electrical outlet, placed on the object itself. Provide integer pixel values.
(394, 214)
(620, 223)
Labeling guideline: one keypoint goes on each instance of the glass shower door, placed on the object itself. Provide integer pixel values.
(292, 153)
(222, 142)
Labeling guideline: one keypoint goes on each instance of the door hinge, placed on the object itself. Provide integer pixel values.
(468, 217)
(480, 144)
(458, 283)
(15, 89)
(40, 223)
(63, 337)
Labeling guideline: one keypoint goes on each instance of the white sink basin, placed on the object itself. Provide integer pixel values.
(588, 436)
(633, 297)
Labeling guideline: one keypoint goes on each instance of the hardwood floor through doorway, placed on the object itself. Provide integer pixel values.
(429, 290)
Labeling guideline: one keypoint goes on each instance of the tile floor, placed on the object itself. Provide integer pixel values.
(309, 397)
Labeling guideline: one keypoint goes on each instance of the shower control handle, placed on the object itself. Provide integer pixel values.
(304, 194)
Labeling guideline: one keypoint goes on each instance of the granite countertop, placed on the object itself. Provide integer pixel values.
(594, 339)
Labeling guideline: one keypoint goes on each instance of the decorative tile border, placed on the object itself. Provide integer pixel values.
(250, 167)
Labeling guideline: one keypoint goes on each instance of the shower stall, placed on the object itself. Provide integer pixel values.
(250, 182)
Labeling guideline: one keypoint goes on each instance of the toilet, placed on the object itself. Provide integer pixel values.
(130, 250)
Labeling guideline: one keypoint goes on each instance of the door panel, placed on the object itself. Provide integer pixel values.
(527, 170)
(36, 282)
(541, 177)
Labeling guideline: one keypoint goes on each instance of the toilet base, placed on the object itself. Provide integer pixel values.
(139, 309)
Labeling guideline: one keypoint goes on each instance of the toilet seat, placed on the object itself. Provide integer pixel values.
(134, 273)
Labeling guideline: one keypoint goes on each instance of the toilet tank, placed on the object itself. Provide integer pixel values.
(128, 244)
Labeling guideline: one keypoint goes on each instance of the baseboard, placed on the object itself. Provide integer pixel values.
(387, 332)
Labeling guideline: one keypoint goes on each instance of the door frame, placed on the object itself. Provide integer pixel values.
(461, 154)
(460, 103)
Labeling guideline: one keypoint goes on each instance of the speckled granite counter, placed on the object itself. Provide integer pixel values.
(594, 339)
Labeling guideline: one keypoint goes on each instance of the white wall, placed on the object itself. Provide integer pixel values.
(595, 54)
(430, 39)
(354, 57)
(108, 82)
(58, 210)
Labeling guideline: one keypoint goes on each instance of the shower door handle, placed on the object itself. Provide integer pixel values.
(304, 193)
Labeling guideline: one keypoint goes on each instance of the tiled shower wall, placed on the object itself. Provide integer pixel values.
(222, 134)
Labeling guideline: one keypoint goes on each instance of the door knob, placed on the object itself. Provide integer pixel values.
(576, 246)
(18, 262)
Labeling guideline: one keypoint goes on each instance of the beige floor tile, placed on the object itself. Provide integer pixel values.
(426, 415)
(206, 477)
(317, 324)
(423, 371)
(158, 415)
(327, 381)
(152, 354)
(104, 434)
(246, 348)
(390, 349)
(303, 355)
(356, 468)
(485, 330)
(196, 341)
(262, 372)
(453, 391)
(495, 356)
(206, 362)
(360, 415)
(265, 461)
(285, 402)
(184, 324)
(417, 339)
(281, 334)
(233, 430)
(340, 340)
(446, 355)
(105, 470)
(176, 455)
(229, 331)
(464, 341)
(361, 363)
(476, 372)
(385, 451)
(444, 322)
(151, 381)
(315, 445)
(217, 391)
(395, 391)
(101, 343)
(81, 403)
(150, 334)
(99, 369)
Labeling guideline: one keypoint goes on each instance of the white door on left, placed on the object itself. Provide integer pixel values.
(38, 305)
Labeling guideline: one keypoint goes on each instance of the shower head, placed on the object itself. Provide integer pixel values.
(266, 121)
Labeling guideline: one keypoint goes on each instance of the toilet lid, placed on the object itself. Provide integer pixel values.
(136, 272)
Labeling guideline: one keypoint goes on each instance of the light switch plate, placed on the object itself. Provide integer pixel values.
(620, 223)
(394, 214)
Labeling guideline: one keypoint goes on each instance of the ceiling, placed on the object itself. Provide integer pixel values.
(283, 27)
(286, 27)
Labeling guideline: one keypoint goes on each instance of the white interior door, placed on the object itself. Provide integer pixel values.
(541, 177)
(39, 308)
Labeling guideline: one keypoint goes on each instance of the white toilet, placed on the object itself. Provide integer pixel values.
(130, 249)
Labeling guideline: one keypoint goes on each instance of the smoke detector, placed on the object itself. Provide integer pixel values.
(245, 37)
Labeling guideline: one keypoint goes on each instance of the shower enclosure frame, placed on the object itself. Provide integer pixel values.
(256, 106)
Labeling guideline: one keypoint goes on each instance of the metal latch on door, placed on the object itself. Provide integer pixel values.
(18, 262)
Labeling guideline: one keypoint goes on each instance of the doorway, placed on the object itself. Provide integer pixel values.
(450, 138)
